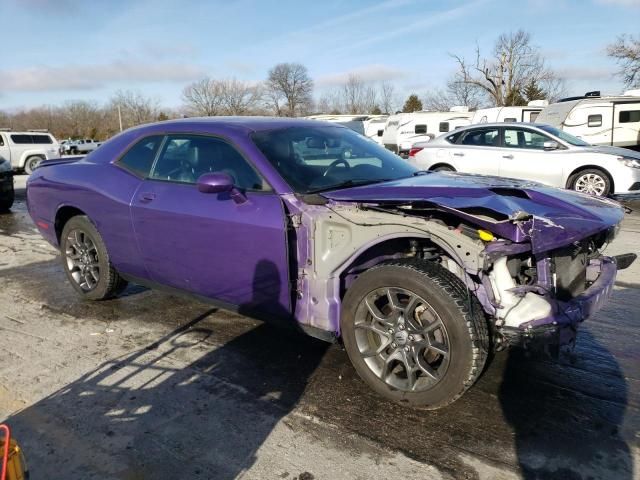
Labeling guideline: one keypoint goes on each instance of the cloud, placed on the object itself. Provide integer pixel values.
(90, 77)
(620, 3)
(368, 73)
(584, 73)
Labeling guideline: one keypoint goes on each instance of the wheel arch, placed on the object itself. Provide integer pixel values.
(581, 168)
(63, 215)
(442, 164)
(386, 248)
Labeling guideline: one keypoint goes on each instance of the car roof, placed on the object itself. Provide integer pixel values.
(248, 124)
(501, 124)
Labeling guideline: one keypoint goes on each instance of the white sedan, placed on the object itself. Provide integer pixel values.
(530, 151)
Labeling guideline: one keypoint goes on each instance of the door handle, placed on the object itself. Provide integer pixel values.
(508, 156)
(147, 197)
(458, 154)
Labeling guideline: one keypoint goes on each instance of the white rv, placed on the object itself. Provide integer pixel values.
(599, 120)
(510, 114)
(404, 129)
(370, 126)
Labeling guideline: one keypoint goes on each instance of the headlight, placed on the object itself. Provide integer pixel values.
(630, 162)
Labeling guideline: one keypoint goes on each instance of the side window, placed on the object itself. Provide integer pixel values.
(21, 139)
(486, 137)
(420, 129)
(140, 157)
(533, 116)
(594, 121)
(41, 139)
(630, 116)
(518, 138)
(453, 138)
(184, 158)
(510, 119)
(443, 127)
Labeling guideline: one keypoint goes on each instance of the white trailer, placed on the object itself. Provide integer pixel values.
(370, 126)
(404, 129)
(510, 114)
(599, 120)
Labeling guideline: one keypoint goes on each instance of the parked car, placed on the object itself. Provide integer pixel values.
(404, 129)
(6, 185)
(25, 150)
(537, 152)
(599, 120)
(419, 274)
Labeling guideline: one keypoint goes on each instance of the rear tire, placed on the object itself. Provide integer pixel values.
(86, 261)
(32, 163)
(592, 181)
(414, 333)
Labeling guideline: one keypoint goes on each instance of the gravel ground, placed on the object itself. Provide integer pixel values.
(151, 386)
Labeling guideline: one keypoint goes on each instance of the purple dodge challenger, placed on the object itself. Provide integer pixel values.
(421, 275)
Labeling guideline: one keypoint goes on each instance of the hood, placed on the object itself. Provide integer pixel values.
(619, 151)
(514, 209)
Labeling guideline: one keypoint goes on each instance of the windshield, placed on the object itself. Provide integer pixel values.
(313, 159)
(564, 136)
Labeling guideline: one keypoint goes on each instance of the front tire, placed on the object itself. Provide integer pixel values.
(414, 333)
(592, 181)
(86, 261)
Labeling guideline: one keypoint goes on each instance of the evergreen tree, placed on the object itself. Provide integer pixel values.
(413, 104)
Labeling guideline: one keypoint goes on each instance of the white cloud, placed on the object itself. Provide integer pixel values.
(620, 3)
(368, 73)
(584, 73)
(89, 77)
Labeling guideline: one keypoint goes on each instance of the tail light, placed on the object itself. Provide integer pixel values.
(414, 150)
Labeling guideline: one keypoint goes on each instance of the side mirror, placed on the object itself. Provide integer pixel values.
(220, 183)
(215, 183)
(551, 145)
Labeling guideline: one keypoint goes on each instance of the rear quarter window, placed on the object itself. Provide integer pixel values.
(41, 139)
(454, 137)
(139, 158)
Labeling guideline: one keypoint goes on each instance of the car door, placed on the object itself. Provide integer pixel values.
(626, 125)
(525, 157)
(211, 244)
(477, 151)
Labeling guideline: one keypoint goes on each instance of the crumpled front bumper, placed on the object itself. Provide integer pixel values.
(560, 328)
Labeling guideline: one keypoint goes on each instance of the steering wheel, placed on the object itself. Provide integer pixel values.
(334, 164)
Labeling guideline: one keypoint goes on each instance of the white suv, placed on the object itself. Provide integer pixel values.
(533, 151)
(24, 150)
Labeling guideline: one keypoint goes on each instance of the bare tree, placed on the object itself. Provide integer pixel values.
(289, 89)
(204, 98)
(626, 52)
(239, 98)
(456, 92)
(504, 75)
(135, 107)
(388, 98)
(358, 96)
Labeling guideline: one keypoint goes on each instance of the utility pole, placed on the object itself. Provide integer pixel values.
(120, 117)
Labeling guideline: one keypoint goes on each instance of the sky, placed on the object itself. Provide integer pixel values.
(59, 50)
